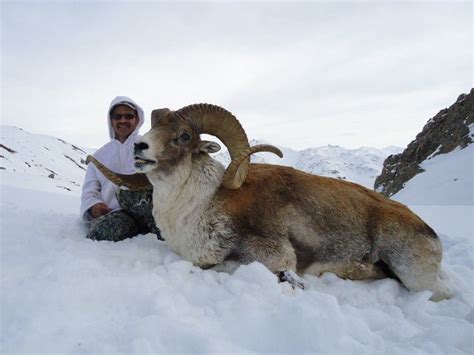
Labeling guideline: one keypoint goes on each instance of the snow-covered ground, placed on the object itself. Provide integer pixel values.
(62, 293)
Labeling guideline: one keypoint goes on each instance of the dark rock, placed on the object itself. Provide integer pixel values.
(78, 149)
(7, 149)
(68, 157)
(443, 133)
(64, 187)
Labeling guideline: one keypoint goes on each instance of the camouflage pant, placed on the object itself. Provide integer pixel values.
(134, 218)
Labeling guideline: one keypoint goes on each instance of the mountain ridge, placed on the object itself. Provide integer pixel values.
(62, 164)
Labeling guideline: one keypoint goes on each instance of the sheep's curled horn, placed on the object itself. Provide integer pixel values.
(208, 119)
(135, 182)
(216, 121)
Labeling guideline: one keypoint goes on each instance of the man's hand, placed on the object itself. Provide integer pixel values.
(99, 209)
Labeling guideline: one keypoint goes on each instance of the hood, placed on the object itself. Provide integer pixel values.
(127, 101)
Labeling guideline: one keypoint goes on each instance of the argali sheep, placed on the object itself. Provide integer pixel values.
(284, 218)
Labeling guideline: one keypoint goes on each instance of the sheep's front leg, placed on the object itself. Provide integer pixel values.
(278, 255)
(229, 266)
(294, 280)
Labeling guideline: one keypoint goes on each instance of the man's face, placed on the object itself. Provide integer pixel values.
(124, 121)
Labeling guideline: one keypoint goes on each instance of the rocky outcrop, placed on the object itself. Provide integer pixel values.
(444, 132)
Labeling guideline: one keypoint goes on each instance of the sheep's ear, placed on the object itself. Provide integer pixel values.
(158, 114)
(208, 147)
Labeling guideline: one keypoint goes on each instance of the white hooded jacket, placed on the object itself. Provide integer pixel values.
(117, 157)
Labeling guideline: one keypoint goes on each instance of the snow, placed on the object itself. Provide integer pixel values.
(41, 156)
(448, 180)
(62, 293)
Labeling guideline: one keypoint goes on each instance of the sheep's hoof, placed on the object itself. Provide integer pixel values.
(291, 278)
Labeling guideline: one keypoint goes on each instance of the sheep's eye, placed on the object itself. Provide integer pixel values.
(185, 137)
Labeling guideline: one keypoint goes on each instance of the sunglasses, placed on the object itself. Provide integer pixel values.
(127, 116)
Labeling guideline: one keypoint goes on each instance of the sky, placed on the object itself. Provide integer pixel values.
(297, 74)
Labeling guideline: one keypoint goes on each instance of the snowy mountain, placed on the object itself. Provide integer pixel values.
(65, 294)
(61, 165)
(361, 165)
(443, 194)
(41, 162)
(447, 131)
(447, 179)
(434, 175)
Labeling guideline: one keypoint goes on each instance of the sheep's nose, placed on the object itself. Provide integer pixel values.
(139, 147)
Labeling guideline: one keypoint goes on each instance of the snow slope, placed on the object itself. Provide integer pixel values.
(62, 293)
(56, 164)
(448, 179)
(443, 194)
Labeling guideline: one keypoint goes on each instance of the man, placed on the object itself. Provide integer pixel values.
(113, 218)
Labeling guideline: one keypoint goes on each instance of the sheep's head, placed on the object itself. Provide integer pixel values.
(171, 141)
(175, 137)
